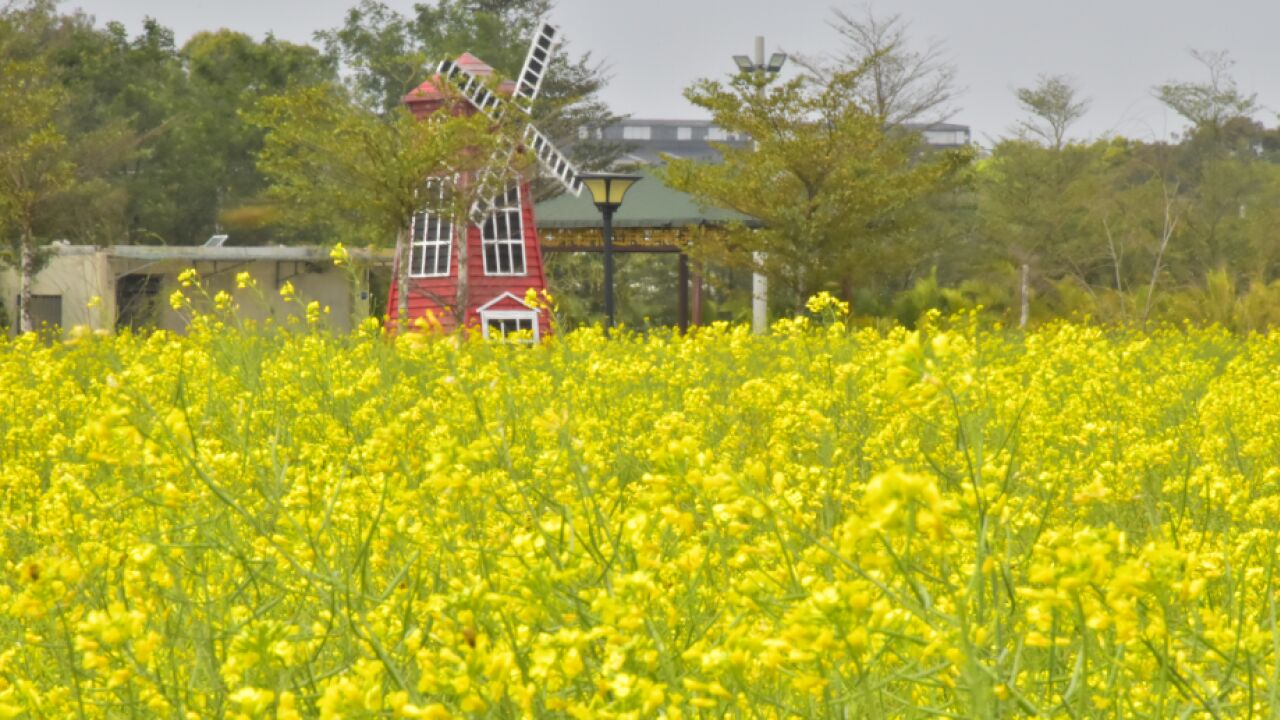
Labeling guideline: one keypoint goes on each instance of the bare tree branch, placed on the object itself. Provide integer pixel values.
(902, 84)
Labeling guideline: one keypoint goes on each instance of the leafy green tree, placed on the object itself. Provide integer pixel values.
(1036, 208)
(1052, 106)
(384, 58)
(35, 166)
(350, 173)
(51, 177)
(1210, 104)
(198, 161)
(832, 191)
(389, 54)
(212, 147)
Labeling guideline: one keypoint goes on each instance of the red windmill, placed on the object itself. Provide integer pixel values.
(501, 233)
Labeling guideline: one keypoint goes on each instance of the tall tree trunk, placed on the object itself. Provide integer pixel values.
(1024, 293)
(462, 296)
(402, 281)
(28, 270)
(1166, 233)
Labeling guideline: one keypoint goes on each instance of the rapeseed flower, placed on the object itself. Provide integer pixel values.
(279, 522)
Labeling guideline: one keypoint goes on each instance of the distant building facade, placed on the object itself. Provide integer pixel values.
(128, 286)
(646, 140)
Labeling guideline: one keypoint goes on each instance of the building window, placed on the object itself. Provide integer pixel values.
(137, 301)
(503, 324)
(46, 311)
(521, 320)
(502, 236)
(637, 132)
(716, 133)
(684, 133)
(432, 239)
(946, 137)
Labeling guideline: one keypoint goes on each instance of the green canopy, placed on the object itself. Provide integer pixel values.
(648, 204)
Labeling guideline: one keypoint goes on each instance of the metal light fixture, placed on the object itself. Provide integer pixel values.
(607, 190)
(776, 61)
(744, 63)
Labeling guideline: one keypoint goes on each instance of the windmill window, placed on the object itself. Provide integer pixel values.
(431, 244)
(503, 324)
(510, 326)
(502, 236)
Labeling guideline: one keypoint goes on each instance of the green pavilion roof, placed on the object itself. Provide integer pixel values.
(648, 204)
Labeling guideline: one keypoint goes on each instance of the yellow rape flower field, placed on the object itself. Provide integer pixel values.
(821, 523)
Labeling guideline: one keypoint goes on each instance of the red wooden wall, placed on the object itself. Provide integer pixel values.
(433, 294)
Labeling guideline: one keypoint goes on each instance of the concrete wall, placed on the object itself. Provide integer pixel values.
(332, 287)
(77, 274)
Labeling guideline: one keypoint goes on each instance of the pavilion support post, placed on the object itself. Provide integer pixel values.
(696, 302)
(683, 293)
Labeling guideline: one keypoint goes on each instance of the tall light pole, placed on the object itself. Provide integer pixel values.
(760, 283)
(607, 190)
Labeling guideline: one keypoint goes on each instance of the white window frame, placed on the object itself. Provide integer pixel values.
(507, 245)
(443, 239)
(684, 133)
(528, 313)
(530, 316)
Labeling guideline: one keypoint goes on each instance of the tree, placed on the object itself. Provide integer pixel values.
(896, 83)
(383, 57)
(183, 105)
(1054, 105)
(829, 189)
(52, 177)
(1036, 209)
(350, 173)
(388, 54)
(35, 167)
(211, 147)
(1210, 104)
(189, 104)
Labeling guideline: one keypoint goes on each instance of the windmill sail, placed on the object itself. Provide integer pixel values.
(489, 103)
(473, 89)
(553, 160)
(535, 63)
(498, 164)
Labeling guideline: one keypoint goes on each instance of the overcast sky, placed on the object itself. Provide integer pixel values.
(1115, 50)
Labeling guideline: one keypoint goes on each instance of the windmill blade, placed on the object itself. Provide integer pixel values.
(529, 82)
(553, 160)
(498, 164)
(473, 89)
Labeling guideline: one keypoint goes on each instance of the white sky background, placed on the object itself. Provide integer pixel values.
(1115, 50)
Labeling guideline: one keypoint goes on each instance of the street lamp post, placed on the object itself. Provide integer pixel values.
(606, 191)
(759, 282)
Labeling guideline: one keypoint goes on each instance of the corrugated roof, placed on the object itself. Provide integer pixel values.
(648, 204)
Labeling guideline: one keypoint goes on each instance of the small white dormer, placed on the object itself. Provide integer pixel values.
(506, 315)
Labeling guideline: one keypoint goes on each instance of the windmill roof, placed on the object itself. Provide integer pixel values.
(473, 65)
(649, 204)
(430, 88)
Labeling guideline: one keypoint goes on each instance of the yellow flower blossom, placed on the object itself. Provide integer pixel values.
(276, 521)
(339, 255)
